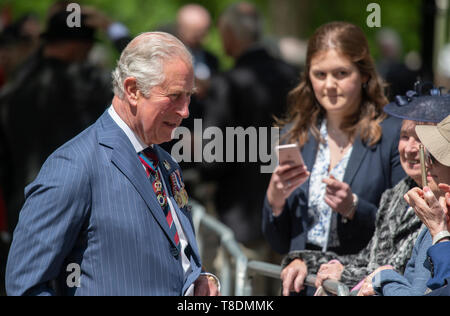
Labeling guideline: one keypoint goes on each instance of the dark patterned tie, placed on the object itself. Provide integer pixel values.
(150, 160)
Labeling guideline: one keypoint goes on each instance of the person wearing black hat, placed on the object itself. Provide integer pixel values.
(69, 44)
(54, 95)
(18, 41)
(425, 103)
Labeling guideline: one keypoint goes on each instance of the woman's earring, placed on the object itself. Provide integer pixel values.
(364, 86)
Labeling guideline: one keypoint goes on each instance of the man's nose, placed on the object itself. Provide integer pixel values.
(183, 110)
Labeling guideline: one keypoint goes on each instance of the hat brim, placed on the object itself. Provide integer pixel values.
(435, 143)
(431, 109)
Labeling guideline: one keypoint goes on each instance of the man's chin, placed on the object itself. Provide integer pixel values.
(164, 139)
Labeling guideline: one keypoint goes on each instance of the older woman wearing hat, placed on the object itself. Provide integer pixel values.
(433, 211)
(429, 205)
(397, 227)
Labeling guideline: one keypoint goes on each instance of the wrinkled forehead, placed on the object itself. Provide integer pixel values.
(408, 125)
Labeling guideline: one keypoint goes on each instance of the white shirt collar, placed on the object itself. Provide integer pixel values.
(137, 143)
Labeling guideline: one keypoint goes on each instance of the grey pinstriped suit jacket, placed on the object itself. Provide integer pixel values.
(92, 205)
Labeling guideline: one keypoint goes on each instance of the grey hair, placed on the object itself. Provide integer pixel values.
(244, 20)
(144, 59)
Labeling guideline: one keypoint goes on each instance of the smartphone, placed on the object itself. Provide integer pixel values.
(422, 166)
(289, 153)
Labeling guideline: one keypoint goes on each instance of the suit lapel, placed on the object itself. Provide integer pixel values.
(309, 153)
(125, 158)
(359, 151)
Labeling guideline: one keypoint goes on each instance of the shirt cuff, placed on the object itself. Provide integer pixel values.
(440, 269)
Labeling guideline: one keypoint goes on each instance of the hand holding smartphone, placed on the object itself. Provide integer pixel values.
(422, 166)
(289, 154)
(288, 176)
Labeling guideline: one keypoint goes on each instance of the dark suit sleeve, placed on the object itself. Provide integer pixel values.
(276, 229)
(365, 214)
(356, 233)
(439, 255)
(54, 211)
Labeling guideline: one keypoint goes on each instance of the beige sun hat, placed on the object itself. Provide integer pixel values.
(436, 140)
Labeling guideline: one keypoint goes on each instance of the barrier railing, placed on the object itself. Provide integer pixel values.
(244, 269)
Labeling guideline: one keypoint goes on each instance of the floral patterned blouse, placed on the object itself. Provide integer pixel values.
(323, 232)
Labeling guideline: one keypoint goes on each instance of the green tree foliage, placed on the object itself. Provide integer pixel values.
(145, 15)
(400, 15)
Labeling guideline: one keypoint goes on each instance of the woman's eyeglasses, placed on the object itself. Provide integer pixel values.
(431, 160)
(426, 161)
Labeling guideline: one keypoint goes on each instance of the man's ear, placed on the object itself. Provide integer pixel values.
(131, 90)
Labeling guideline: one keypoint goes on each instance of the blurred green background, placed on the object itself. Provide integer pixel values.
(298, 18)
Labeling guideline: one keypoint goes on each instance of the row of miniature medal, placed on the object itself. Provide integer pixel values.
(160, 194)
(177, 185)
(176, 182)
(178, 189)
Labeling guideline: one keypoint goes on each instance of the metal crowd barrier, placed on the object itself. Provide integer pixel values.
(244, 269)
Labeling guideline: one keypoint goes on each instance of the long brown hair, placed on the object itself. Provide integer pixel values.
(305, 112)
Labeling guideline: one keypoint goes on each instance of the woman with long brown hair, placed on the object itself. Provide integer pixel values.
(349, 147)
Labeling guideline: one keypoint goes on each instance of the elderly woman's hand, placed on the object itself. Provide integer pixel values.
(331, 270)
(432, 212)
(293, 276)
(367, 286)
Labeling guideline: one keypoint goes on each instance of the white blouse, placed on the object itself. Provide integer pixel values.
(323, 232)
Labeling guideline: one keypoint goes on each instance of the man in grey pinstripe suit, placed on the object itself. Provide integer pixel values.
(91, 223)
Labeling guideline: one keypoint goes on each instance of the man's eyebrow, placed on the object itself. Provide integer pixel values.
(176, 90)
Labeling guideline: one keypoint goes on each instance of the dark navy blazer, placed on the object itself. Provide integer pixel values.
(92, 205)
(439, 256)
(370, 171)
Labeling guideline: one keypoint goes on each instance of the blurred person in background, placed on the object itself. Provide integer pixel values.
(248, 95)
(53, 89)
(443, 67)
(17, 42)
(192, 26)
(392, 69)
(193, 23)
(54, 95)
